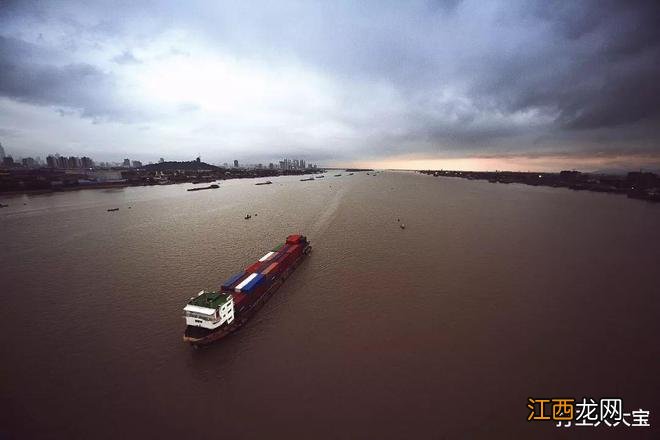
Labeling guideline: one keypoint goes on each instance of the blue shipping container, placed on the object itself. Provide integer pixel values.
(231, 281)
(252, 284)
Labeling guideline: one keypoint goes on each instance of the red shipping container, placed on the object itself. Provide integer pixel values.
(271, 268)
(293, 239)
(254, 267)
(277, 257)
(293, 249)
(238, 298)
(288, 261)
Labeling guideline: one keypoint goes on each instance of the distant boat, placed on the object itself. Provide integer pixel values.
(267, 182)
(350, 174)
(214, 186)
(113, 209)
(337, 175)
(3, 206)
(320, 177)
(307, 180)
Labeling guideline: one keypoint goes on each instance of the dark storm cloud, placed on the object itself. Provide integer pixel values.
(29, 74)
(611, 79)
(467, 76)
(586, 66)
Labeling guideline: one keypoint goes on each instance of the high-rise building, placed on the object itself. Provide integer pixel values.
(51, 161)
(137, 164)
(73, 162)
(29, 162)
(62, 162)
(2, 153)
(271, 166)
(86, 162)
(235, 163)
(161, 160)
(127, 163)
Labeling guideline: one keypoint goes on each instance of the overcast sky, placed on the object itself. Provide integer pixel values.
(452, 84)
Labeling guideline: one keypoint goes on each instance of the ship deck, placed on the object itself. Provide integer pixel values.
(211, 300)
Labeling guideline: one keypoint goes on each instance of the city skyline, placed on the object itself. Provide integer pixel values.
(455, 84)
(56, 160)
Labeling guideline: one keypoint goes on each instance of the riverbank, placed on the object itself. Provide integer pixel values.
(18, 181)
(635, 185)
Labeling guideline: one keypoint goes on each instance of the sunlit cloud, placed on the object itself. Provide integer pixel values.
(334, 82)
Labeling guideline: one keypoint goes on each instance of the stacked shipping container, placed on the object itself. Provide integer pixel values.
(250, 287)
(256, 278)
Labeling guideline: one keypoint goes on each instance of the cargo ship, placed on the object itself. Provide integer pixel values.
(211, 315)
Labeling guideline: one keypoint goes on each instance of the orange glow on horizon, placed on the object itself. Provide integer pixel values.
(548, 163)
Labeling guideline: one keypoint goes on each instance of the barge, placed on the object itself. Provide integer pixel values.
(214, 186)
(213, 315)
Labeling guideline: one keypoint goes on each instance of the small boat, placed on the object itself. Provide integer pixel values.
(403, 226)
(113, 209)
(350, 174)
(267, 182)
(307, 180)
(248, 216)
(320, 177)
(4, 206)
(337, 175)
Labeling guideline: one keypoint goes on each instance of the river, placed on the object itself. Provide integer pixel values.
(491, 294)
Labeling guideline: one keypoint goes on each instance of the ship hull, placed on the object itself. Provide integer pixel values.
(198, 337)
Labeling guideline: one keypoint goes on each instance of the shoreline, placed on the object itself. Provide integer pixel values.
(126, 185)
(640, 186)
(29, 192)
